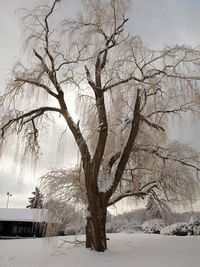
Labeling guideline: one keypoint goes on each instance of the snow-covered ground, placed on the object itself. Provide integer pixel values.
(124, 250)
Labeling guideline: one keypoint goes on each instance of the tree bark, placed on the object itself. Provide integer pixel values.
(96, 224)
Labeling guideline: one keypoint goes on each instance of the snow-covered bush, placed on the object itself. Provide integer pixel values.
(122, 224)
(194, 226)
(153, 226)
(115, 224)
(128, 222)
(180, 229)
(129, 227)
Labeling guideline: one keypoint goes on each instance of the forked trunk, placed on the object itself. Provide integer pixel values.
(96, 225)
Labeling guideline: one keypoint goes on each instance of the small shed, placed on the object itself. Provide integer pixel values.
(27, 223)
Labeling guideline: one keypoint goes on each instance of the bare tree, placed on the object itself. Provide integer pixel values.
(126, 93)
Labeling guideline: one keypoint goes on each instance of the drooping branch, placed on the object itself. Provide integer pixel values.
(82, 145)
(78, 58)
(183, 108)
(27, 117)
(37, 84)
(65, 185)
(167, 157)
(151, 124)
(139, 192)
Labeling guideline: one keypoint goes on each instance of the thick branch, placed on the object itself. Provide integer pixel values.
(47, 33)
(89, 78)
(46, 69)
(127, 193)
(123, 81)
(51, 72)
(128, 147)
(103, 132)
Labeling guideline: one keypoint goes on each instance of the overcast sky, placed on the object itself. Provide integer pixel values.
(158, 22)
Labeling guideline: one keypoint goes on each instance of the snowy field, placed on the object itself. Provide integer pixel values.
(137, 250)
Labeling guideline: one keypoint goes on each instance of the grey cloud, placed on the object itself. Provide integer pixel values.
(20, 189)
(161, 23)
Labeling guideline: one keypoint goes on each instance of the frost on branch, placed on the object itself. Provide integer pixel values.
(65, 185)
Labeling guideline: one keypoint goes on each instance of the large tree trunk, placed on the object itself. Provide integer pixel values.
(96, 224)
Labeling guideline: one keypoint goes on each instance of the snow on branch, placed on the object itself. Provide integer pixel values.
(106, 174)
